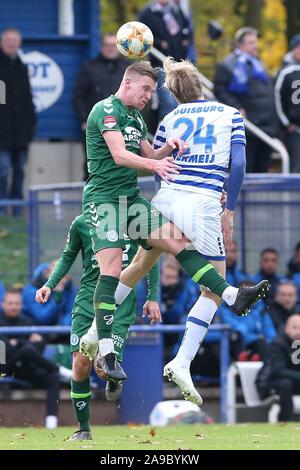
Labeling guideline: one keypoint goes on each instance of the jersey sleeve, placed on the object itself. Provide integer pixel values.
(107, 118)
(160, 137)
(67, 258)
(238, 129)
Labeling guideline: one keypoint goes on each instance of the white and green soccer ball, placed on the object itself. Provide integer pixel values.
(134, 40)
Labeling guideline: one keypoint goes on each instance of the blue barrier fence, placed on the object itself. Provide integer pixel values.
(267, 215)
(144, 386)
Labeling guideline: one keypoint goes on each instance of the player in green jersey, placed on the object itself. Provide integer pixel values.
(78, 240)
(116, 148)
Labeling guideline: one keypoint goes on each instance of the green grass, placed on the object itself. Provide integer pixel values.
(194, 437)
(13, 251)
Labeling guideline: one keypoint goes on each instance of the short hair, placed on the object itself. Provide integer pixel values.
(269, 250)
(12, 290)
(183, 80)
(142, 68)
(241, 33)
(286, 282)
(108, 35)
(11, 30)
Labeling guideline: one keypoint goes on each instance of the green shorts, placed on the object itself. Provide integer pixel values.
(109, 221)
(81, 322)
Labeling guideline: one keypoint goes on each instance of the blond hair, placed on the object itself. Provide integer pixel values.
(183, 80)
(141, 68)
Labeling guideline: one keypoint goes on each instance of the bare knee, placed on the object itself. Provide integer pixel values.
(210, 295)
(81, 367)
(110, 261)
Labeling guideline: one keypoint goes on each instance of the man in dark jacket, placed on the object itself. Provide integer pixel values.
(268, 266)
(173, 36)
(24, 359)
(97, 79)
(284, 304)
(281, 372)
(287, 100)
(242, 82)
(17, 117)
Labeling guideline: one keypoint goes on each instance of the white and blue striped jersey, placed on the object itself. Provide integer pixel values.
(208, 128)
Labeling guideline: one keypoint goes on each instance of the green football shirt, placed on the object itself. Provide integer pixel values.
(108, 181)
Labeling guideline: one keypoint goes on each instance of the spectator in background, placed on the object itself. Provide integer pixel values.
(192, 53)
(177, 296)
(97, 79)
(294, 268)
(287, 102)
(294, 263)
(57, 311)
(281, 371)
(17, 117)
(2, 292)
(24, 360)
(285, 303)
(242, 82)
(234, 276)
(268, 262)
(173, 37)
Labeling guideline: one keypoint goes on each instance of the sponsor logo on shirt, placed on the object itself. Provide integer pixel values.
(132, 135)
(109, 121)
(112, 236)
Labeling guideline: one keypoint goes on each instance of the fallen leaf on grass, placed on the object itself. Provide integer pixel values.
(20, 436)
(152, 432)
(199, 436)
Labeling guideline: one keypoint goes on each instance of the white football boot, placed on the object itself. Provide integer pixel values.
(182, 377)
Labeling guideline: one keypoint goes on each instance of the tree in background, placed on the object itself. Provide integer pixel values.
(293, 17)
(273, 43)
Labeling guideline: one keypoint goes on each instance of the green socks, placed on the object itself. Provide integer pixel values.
(81, 395)
(104, 304)
(201, 271)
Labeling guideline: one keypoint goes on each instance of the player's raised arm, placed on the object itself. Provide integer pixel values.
(62, 266)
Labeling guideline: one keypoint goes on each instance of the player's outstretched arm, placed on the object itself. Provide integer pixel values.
(165, 150)
(63, 265)
(165, 168)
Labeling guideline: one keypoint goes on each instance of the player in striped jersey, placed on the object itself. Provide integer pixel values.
(204, 166)
(215, 138)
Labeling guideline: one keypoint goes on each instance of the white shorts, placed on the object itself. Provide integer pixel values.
(197, 216)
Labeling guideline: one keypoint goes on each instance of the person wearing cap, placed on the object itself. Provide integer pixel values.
(287, 101)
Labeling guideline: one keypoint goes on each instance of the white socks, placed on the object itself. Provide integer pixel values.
(92, 332)
(106, 346)
(199, 318)
(122, 291)
(229, 295)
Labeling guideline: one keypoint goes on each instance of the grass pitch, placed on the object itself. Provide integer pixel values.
(181, 437)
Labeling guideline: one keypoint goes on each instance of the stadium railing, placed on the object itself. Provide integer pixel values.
(274, 143)
(151, 392)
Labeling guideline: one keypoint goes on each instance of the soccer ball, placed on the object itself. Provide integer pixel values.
(134, 40)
